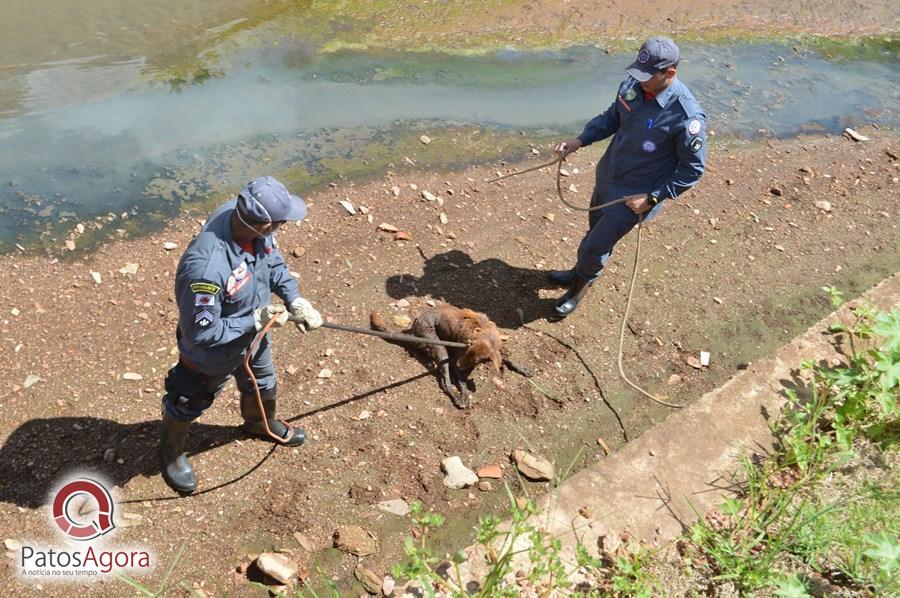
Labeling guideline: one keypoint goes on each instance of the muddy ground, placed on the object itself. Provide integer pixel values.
(734, 268)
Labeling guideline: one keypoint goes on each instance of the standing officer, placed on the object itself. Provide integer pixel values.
(224, 287)
(658, 151)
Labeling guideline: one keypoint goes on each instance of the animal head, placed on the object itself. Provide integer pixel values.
(484, 347)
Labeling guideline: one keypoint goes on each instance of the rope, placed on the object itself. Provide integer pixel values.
(262, 412)
(637, 257)
(637, 254)
(559, 162)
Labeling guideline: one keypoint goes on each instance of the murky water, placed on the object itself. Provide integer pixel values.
(83, 135)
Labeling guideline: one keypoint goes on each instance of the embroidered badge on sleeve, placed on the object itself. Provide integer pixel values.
(205, 287)
(204, 318)
(694, 127)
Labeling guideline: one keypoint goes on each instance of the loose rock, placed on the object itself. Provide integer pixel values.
(355, 540)
(490, 471)
(396, 506)
(370, 580)
(277, 566)
(169, 246)
(425, 139)
(532, 467)
(458, 475)
(823, 205)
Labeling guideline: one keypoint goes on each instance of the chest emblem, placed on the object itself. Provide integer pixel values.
(630, 95)
(648, 146)
(237, 279)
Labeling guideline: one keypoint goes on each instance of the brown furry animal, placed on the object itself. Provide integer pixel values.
(449, 323)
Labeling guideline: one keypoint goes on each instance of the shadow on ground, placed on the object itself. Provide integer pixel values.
(507, 294)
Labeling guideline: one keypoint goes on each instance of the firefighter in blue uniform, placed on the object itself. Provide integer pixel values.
(223, 287)
(657, 152)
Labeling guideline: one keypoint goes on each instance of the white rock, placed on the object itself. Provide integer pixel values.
(388, 585)
(15, 311)
(70, 244)
(348, 206)
(425, 139)
(324, 373)
(395, 190)
(855, 136)
(704, 358)
(428, 195)
(169, 246)
(79, 228)
(31, 380)
(823, 205)
(129, 268)
(277, 566)
(97, 278)
(390, 228)
(443, 218)
(397, 506)
(458, 475)
(132, 376)
(12, 544)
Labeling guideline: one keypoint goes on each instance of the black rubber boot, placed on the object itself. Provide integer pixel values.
(568, 302)
(253, 421)
(176, 470)
(563, 278)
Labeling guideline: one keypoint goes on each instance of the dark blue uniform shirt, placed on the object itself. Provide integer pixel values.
(218, 286)
(659, 145)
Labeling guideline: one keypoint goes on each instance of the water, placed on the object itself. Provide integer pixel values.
(81, 136)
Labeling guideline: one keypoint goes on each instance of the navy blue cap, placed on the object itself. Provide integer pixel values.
(656, 54)
(264, 199)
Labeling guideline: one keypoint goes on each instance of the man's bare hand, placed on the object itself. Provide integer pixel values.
(564, 148)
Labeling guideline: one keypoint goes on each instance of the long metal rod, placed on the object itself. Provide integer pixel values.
(400, 338)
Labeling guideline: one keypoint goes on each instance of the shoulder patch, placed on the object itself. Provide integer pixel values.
(205, 287)
(694, 126)
(696, 144)
(204, 318)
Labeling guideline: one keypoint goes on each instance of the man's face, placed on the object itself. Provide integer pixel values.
(658, 82)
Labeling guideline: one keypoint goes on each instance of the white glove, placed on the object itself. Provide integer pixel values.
(276, 313)
(303, 309)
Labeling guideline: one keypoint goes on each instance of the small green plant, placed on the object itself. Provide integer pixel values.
(630, 576)
(776, 510)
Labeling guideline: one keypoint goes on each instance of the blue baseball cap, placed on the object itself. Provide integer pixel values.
(656, 54)
(264, 199)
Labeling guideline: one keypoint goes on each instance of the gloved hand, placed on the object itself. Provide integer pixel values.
(277, 313)
(302, 308)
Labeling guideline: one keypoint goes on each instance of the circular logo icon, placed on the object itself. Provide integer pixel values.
(694, 127)
(86, 489)
(648, 146)
(644, 56)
